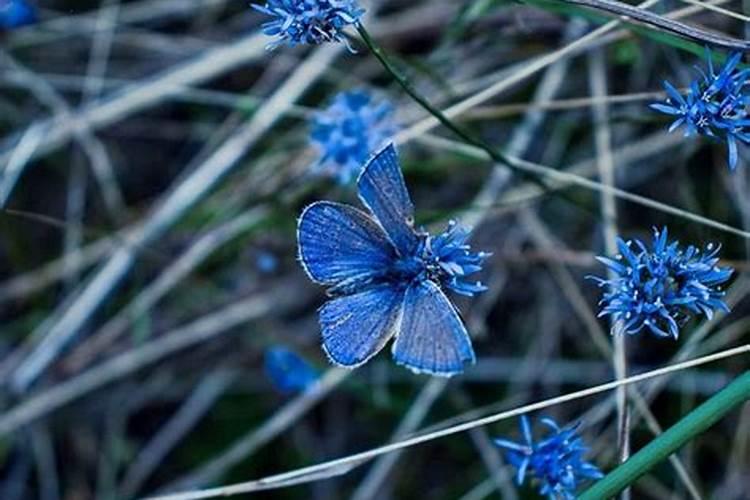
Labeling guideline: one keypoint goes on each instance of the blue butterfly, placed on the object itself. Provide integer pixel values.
(386, 278)
(288, 372)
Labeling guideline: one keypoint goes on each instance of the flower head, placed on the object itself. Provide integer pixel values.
(715, 105)
(266, 262)
(288, 372)
(556, 462)
(354, 126)
(446, 259)
(16, 13)
(309, 22)
(661, 287)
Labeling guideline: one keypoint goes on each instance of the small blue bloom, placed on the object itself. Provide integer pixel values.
(387, 278)
(448, 259)
(266, 262)
(309, 22)
(661, 287)
(715, 105)
(556, 462)
(354, 126)
(16, 13)
(288, 372)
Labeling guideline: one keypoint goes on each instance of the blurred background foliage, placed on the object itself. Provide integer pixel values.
(100, 158)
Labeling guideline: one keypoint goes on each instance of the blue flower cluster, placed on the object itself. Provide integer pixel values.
(715, 105)
(445, 259)
(448, 259)
(354, 126)
(660, 288)
(309, 22)
(16, 13)
(556, 462)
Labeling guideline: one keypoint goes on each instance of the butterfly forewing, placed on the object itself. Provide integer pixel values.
(356, 327)
(382, 189)
(432, 338)
(339, 243)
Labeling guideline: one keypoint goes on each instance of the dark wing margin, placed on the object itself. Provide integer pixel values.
(356, 327)
(383, 191)
(432, 338)
(340, 244)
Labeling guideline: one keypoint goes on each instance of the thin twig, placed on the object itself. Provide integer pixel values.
(605, 164)
(648, 18)
(167, 213)
(201, 330)
(299, 474)
(567, 177)
(244, 447)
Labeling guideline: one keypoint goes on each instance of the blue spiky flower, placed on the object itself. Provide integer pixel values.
(556, 462)
(16, 13)
(660, 288)
(715, 105)
(309, 22)
(448, 259)
(288, 371)
(352, 128)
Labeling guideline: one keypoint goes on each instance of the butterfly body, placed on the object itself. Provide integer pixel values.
(386, 278)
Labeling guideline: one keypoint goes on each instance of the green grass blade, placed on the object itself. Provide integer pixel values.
(694, 423)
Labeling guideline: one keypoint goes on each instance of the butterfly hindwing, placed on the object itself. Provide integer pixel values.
(339, 243)
(432, 337)
(383, 190)
(356, 327)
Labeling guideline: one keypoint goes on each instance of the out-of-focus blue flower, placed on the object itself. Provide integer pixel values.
(715, 105)
(556, 462)
(351, 129)
(16, 13)
(266, 262)
(309, 22)
(661, 287)
(289, 372)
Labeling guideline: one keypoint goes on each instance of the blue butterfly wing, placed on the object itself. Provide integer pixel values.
(433, 339)
(356, 327)
(339, 244)
(383, 191)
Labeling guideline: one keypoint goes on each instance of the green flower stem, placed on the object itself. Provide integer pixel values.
(457, 129)
(694, 423)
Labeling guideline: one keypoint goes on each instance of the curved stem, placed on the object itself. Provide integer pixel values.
(457, 129)
(694, 423)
